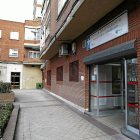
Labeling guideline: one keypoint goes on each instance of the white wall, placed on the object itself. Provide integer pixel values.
(3, 72)
(6, 70)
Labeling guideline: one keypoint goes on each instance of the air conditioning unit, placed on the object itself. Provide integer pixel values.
(63, 50)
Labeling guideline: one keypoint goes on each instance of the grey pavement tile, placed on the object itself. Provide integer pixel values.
(51, 123)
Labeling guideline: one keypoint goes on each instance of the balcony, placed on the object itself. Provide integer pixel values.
(84, 13)
(29, 44)
(32, 38)
(28, 60)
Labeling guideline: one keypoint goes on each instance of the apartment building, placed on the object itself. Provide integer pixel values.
(20, 52)
(92, 52)
(37, 10)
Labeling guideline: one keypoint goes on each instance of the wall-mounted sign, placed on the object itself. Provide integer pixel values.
(82, 78)
(95, 71)
(115, 28)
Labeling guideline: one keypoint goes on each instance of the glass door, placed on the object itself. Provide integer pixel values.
(131, 95)
(106, 89)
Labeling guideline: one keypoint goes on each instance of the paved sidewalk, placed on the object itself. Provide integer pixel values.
(44, 117)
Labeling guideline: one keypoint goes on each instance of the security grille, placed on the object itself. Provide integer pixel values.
(49, 77)
(74, 71)
(59, 73)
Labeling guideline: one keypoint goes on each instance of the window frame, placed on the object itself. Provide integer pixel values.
(13, 55)
(38, 12)
(12, 37)
(37, 52)
(74, 71)
(59, 73)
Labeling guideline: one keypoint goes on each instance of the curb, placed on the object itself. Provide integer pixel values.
(10, 130)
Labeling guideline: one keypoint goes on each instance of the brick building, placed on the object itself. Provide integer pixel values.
(92, 48)
(19, 53)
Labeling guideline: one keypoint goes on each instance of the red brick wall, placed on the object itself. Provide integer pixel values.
(6, 43)
(57, 20)
(53, 7)
(64, 14)
(32, 23)
(78, 92)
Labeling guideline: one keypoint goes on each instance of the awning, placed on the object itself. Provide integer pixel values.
(116, 53)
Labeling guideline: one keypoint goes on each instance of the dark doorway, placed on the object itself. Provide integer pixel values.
(15, 80)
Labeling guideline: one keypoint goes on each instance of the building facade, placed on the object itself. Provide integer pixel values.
(19, 53)
(92, 48)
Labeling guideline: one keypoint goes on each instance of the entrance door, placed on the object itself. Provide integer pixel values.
(15, 80)
(105, 89)
(131, 92)
(110, 84)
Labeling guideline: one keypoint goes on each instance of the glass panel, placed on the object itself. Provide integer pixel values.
(38, 34)
(109, 88)
(30, 54)
(14, 35)
(38, 12)
(29, 34)
(34, 55)
(93, 89)
(38, 54)
(132, 95)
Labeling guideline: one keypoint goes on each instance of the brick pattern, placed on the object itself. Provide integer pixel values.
(32, 41)
(56, 20)
(6, 43)
(78, 92)
(32, 23)
(7, 97)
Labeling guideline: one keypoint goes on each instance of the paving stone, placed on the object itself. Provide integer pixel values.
(43, 117)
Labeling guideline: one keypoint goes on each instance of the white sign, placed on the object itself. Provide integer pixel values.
(93, 78)
(111, 30)
(134, 61)
(82, 78)
(95, 71)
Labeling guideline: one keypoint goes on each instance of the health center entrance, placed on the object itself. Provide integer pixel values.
(114, 90)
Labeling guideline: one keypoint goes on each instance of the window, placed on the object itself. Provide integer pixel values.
(13, 52)
(34, 54)
(0, 33)
(47, 32)
(47, 25)
(49, 77)
(39, 2)
(60, 5)
(38, 34)
(14, 35)
(32, 33)
(38, 12)
(74, 71)
(59, 73)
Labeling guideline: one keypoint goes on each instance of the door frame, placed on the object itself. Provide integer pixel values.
(134, 130)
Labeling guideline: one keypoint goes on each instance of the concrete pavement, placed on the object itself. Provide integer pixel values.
(44, 117)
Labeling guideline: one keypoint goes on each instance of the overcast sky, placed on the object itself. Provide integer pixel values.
(16, 10)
